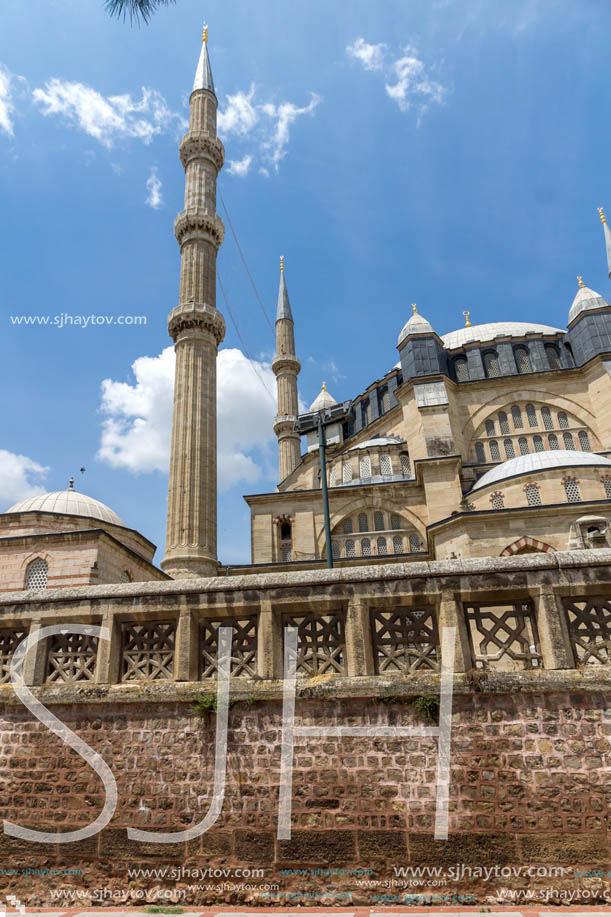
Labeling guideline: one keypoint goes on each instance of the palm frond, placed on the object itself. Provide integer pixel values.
(135, 9)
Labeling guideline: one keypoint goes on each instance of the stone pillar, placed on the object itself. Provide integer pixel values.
(269, 642)
(553, 631)
(35, 658)
(108, 662)
(359, 645)
(186, 663)
(450, 614)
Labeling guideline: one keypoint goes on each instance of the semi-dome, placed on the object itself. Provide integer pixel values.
(540, 461)
(492, 330)
(323, 400)
(586, 300)
(71, 503)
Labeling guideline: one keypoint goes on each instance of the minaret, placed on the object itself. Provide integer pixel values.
(197, 329)
(286, 368)
(607, 232)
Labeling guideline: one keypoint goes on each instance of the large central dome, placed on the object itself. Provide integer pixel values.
(492, 330)
(69, 502)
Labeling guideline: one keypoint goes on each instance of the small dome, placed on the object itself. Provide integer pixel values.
(417, 324)
(540, 461)
(323, 400)
(585, 300)
(378, 441)
(492, 330)
(69, 502)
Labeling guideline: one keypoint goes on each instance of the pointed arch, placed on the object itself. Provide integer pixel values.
(526, 545)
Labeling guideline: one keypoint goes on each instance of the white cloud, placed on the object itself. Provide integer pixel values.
(239, 116)
(108, 118)
(370, 56)
(239, 167)
(20, 477)
(6, 101)
(284, 115)
(154, 197)
(136, 432)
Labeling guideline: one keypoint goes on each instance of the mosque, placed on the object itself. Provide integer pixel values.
(486, 441)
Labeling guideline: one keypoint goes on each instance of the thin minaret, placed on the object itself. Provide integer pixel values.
(603, 220)
(197, 328)
(286, 368)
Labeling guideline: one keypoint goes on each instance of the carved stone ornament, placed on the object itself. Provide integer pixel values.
(200, 145)
(198, 225)
(196, 316)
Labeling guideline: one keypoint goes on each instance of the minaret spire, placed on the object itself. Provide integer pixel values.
(197, 328)
(286, 366)
(607, 232)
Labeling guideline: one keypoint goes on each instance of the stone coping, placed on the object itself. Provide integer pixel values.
(560, 560)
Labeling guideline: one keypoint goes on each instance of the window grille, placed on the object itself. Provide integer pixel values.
(504, 423)
(584, 441)
(405, 640)
(503, 637)
(516, 415)
(589, 622)
(71, 658)
(395, 521)
(347, 472)
(553, 357)
(523, 444)
(405, 466)
(243, 646)
(571, 488)
(397, 543)
(479, 452)
(347, 526)
(538, 444)
(385, 401)
(490, 431)
(125, 577)
(287, 552)
(385, 464)
(365, 547)
(533, 495)
(546, 414)
(510, 451)
(9, 640)
(321, 644)
(350, 551)
(365, 412)
(363, 522)
(553, 441)
(495, 454)
(378, 521)
(148, 651)
(523, 360)
(491, 364)
(563, 420)
(497, 501)
(382, 546)
(332, 477)
(532, 415)
(569, 442)
(365, 467)
(461, 368)
(414, 543)
(607, 486)
(36, 574)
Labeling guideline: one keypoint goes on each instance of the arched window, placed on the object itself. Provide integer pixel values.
(571, 488)
(584, 441)
(497, 501)
(510, 452)
(385, 464)
(365, 466)
(495, 454)
(395, 521)
(523, 360)
(553, 441)
(365, 412)
(546, 414)
(397, 542)
(538, 444)
(334, 551)
(414, 543)
(461, 369)
(533, 496)
(36, 574)
(523, 444)
(479, 452)
(378, 521)
(285, 531)
(363, 523)
(504, 423)
(332, 477)
(384, 401)
(563, 420)
(347, 526)
(382, 546)
(553, 357)
(490, 431)
(350, 551)
(532, 415)
(569, 442)
(405, 465)
(365, 547)
(516, 415)
(491, 364)
(347, 472)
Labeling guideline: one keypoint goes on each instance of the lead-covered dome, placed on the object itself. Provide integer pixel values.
(323, 400)
(540, 461)
(69, 502)
(586, 300)
(492, 330)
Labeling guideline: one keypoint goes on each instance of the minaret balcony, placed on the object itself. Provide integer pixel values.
(200, 145)
(197, 225)
(285, 363)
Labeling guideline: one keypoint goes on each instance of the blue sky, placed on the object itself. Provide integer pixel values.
(447, 153)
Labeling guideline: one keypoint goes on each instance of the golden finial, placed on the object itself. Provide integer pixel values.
(324, 386)
(282, 263)
(601, 213)
(414, 308)
(580, 282)
(467, 322)
(205, 35)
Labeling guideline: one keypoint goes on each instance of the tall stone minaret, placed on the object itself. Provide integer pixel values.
(197, 329)
(286, 368)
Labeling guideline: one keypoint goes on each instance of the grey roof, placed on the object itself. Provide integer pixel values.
(203, 75)
(417, 324)
(322, 401)
(284, 306)
(540, 461)
(68, 502)
(378, 441)
(586, 300)
(492, 330)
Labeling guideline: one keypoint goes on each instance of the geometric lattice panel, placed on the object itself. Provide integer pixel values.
(589, 622)
(71, 657)
(405, 640)
(321, 643)
(9, 639)
(503, 637)
(148, 651)
(243, 647)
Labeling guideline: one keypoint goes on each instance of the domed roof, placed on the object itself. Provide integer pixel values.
(69, 502)
(323, 400)
(492, 330)
(585, 300)
(540, 461)
(378, 441)
(417, 324)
